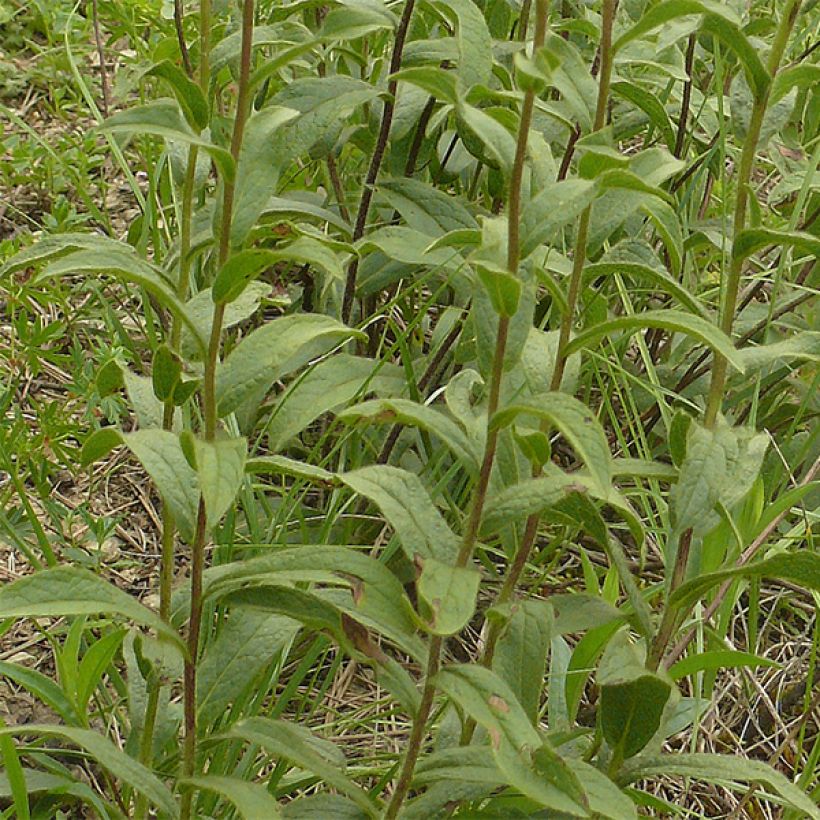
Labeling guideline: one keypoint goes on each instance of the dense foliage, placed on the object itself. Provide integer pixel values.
(468, 347)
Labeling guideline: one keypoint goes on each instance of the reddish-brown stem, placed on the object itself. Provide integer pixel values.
(377, 158)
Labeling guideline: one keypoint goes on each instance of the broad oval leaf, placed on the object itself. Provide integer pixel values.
(401, 496)
(449, 595)
(272, 351)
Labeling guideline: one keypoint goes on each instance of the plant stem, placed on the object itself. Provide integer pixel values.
(167, 554)
(210, 416)
(179, 18)
(579, 258)
(376, 159)
(670, 613)
(687, 96)
(468, 541)
(744, 174)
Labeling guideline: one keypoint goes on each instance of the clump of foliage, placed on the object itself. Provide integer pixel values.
(429, 294)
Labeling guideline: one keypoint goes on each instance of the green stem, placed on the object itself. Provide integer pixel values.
(167, 555)
(744, 175)
(468, 541)
(669, 619)
(189, 754)
(515, 570)
(580, 254)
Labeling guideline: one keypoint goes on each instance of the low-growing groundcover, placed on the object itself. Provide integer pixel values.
(463, 356)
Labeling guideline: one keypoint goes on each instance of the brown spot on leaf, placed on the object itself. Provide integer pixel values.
(499, 704)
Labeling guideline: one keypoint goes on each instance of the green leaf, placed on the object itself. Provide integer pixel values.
(650, 105)
(802, 568)
(720, 466)
(498, 142)
(569, 73)
(575, 422)
(777, 116)
(188, 94)
(378, 601)
(127, 268)
(532, 495)
(723, 769)
(351, 22)
(643, 468)
(325, 387)
(668, 227)
(578, 612)
(730, 34)
(99, 444)
(803, 345)
(160, 453)
(751, 240)
(200, 310)
(404, 411)
(671, 320)
(272, 351)
(307, 113)
(448, 594)
(543, 776)
(238, 271)
(475, 45)
(321, 806)
(503, 288)
(51, 247)
(43, 688)
(220, 467)
(520, 658)
(282, 465)
(434, 80)
(251, 800)
(718, 659)
(297, 745)
(664, 12)
(656, 276)
(555, 205)
(63, 591)
(121, 765)
(166, 369)
(264, 155)
(401, 496)
(163, 118)
(426, 208)
(484, 696)
(95, 664)
(15, 776)
(632, 698)
(246, 643)
(796, 76)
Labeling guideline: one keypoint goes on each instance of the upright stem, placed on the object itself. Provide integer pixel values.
(670, 613)
(579, 258)
(210, 415)
(468, 541)
(167, 554)
(179, 19)
(744, 174)
(378, 156)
